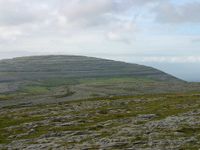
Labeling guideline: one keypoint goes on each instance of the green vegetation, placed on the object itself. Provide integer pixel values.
(55, 82)
(102, 116)
(116, 80)
(55, 78)
(5, 97)
(34, 90)
(7, 121)
(74, 101)
(54, 71)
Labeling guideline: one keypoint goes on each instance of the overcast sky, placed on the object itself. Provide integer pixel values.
(160, 33)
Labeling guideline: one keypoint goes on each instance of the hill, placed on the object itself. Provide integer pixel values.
(43, 67)
(76, 102)
(44, 79)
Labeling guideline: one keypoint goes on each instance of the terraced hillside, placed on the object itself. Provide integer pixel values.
(40, 67)
(50, 79)
(146, 122)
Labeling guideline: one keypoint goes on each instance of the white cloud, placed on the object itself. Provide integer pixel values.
(114, 25)
(9, 34)
(62, 19)
(170, 59)
(18, 12)
(122, 31)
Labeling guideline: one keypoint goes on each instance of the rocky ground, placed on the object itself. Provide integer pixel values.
(147, 122)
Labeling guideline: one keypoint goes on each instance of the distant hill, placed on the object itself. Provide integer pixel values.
(50, 79)
(43, 67)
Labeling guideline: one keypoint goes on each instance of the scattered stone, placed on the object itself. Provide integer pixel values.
(147, 116)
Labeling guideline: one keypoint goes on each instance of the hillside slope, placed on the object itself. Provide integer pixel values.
(49, 79)
(39, 67)
(75, 102)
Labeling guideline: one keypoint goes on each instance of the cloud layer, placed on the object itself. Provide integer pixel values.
(184, 13)
(100, 26)
(171, 59)
(27, 17)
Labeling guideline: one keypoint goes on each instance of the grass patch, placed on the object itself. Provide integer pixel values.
(114, 79)
(6, 121)
(188, 131)
(5, 97)
(39, 131)
(34, 90)
(55, 82)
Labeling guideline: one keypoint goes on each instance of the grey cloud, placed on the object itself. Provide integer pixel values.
(31, 17)
(185, 13)
(64, 18)
(195, 40)
(17, 12)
